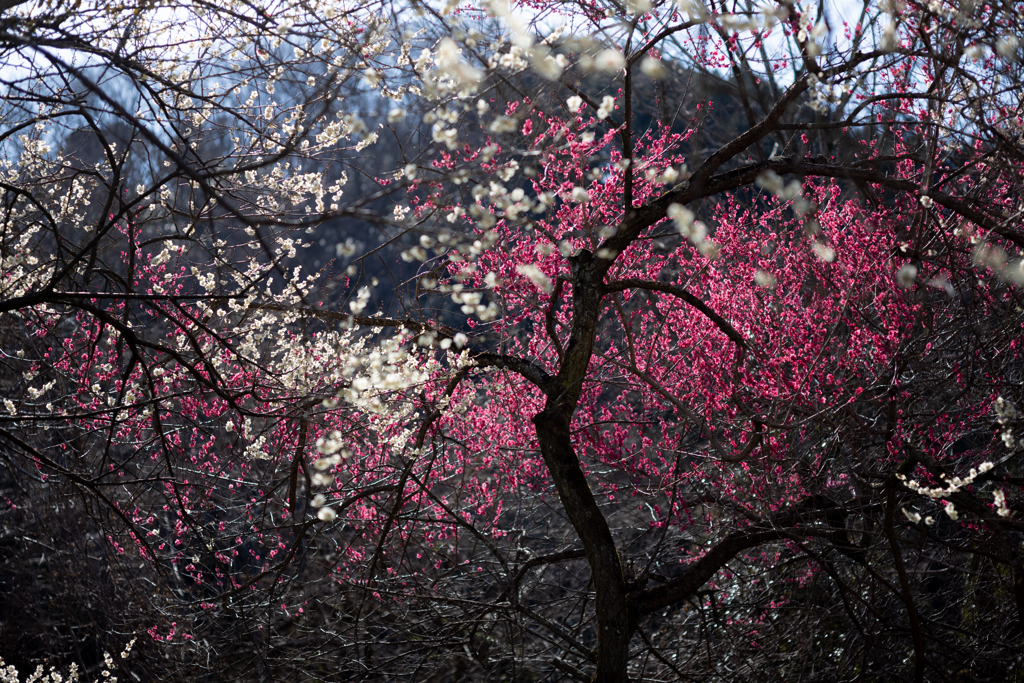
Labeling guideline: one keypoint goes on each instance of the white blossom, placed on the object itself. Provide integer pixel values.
(609, 60)
(907, 275)
(537, 276)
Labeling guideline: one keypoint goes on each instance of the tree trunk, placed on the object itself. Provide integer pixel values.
(616, 617)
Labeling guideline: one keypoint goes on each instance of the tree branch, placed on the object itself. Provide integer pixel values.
(720, 322)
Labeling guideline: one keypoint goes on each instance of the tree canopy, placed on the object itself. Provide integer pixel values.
(553, 340)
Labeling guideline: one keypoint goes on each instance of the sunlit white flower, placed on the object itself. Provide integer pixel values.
(503, 124)
(1007, 46)
(764, 279)
(907, 275)
(537, 276)
(888, 41)
(609, 60)
(824, 252)
(371, 77)
(1000, 502)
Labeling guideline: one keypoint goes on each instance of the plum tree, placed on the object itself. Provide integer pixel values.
(701, 361)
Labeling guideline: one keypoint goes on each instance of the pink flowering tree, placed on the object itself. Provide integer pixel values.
(702, 358)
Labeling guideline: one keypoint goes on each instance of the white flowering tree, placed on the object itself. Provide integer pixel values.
(162, 164)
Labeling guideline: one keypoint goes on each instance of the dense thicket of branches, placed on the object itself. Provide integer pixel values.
(548, 341)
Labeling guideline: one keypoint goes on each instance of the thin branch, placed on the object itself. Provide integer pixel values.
(678, 292)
